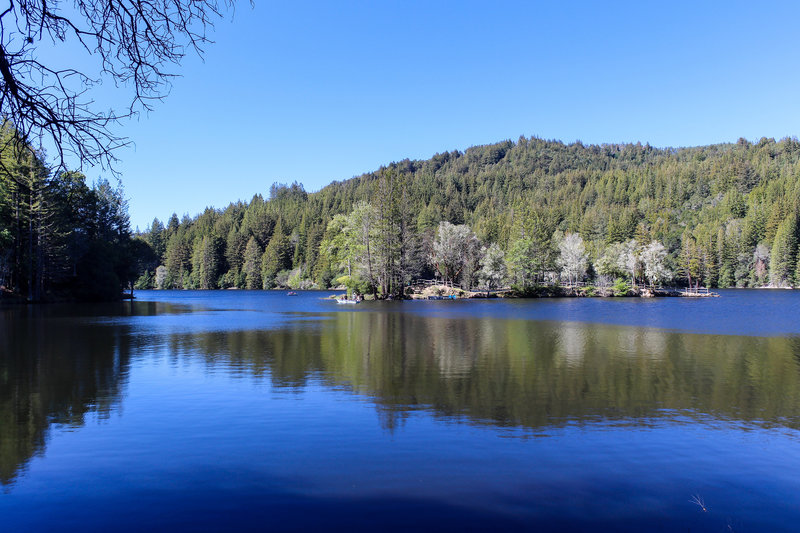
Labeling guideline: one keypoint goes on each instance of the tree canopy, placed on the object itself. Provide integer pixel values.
(721, 215)
(59, 237)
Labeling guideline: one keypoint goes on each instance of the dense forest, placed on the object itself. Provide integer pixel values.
(513, 212)
(522, 213)
(60, 239)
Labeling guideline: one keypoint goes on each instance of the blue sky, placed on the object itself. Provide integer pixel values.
(316, 92)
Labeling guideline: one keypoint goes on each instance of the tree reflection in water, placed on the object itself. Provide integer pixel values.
(57, 367)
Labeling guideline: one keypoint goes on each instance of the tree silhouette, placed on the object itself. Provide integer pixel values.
(133, 43)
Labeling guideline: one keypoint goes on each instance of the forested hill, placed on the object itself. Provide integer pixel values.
(726, 214)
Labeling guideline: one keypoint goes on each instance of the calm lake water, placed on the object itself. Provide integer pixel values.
(237, 411)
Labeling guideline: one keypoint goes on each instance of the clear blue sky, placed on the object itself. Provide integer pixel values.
(316, 92)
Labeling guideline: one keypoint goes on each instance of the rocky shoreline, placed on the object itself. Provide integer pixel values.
(436, 292)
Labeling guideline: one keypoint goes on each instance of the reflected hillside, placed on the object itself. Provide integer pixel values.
(54, 370)
(60, 365)
(519, 373)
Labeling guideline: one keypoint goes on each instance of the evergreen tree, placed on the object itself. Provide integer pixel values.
(206, 262)
(690, 260)
(783, 256)
(726, 260)
(235, 249)
(522, 262)
(276, 256)
(178, 260)
(252, 264)
(59, 238)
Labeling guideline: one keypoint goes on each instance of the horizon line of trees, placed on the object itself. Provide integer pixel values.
(722, 216)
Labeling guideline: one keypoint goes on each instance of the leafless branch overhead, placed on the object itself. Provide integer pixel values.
(135, 43)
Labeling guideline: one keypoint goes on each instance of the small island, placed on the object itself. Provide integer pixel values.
(434, 290)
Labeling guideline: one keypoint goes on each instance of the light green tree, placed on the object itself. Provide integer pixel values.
(349, 243)
(522, 259)
(609, 264)
(629, 259)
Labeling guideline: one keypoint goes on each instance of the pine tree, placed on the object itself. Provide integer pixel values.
(156, 238)
(725, 260)
(178, 260)
(276, 257)
(206, 262)
(389, 231)
(235, 245)
(690, 260)
(783, 256)
(252, 264)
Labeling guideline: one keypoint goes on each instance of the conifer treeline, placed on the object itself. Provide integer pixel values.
(727, 215)
(59, 237)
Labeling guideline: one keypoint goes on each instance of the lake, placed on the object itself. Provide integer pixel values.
(253, 411)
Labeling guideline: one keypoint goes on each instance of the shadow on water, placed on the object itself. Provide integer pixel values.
(202, 511)
(57, 366)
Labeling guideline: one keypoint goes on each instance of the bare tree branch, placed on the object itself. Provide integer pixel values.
(136, 44)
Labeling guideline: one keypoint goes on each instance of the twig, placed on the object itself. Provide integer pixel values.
(698, 501)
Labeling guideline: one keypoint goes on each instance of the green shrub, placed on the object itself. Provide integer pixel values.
(621, 287)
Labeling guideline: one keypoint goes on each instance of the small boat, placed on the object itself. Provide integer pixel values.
(346, 301)
(291, 293)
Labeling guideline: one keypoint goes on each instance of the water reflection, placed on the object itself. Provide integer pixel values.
(516, 372)
(54, 371)
(59, 365)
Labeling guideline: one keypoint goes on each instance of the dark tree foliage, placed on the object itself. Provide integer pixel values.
(60, 238)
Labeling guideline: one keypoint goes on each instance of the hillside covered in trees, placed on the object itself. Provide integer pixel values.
(523, 213)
